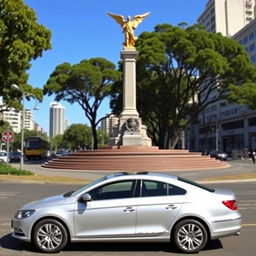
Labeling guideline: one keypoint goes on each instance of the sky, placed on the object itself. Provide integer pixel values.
(81, 29)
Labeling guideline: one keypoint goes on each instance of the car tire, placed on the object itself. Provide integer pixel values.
(190, 236)
(50, 236)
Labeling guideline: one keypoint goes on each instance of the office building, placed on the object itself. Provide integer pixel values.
(225, 126)
(57, 119)
(227, 16)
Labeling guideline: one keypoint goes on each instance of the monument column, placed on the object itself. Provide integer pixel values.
(129, 83)
(129, 130)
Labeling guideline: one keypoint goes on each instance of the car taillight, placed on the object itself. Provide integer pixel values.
(231, 204)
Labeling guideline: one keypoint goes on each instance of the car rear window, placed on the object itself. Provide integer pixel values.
(209, 189)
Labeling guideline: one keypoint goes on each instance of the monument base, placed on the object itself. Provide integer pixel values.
(129, 131)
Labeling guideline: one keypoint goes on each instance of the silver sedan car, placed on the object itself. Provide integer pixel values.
(134, 207)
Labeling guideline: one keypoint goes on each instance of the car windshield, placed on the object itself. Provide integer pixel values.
(96, 182)
(196, 184)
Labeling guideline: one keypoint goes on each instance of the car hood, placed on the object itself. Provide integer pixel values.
(48, 201)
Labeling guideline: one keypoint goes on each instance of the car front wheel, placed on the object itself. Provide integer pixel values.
(190, 236)
(50, 236)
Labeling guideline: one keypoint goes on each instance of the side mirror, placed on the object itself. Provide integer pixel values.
(86, 197)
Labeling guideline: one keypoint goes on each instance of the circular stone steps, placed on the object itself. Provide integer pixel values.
(134, 158)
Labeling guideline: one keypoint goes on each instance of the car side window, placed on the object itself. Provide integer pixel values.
(175, 191)
(157, 188)
(115, 190)
(153, 188)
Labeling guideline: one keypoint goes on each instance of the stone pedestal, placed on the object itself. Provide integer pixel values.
(129, 130)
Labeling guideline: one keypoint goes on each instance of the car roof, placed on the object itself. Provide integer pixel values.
(142, 174)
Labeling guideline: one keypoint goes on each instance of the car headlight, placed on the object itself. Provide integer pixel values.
(23, 214)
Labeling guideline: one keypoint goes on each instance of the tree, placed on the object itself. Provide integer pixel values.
(57, 143)
(4, 126)
(77, 136)
(87, 83)
(182, 70)
(22, 39)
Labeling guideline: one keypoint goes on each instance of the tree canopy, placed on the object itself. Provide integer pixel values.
(87, 83)
(180, 72)
(77, 136)
(22, 39)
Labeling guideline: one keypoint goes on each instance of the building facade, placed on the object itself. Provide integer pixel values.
(223, 126)
(14, 118)
(57, 119)
(108, 124)
(227, 17)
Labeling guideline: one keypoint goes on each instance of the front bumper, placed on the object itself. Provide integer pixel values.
(21, 229)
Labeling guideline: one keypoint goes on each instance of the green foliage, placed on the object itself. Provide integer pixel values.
(177, 71)
(4, 126)
(57, 143)
(77, 136)
(8, 169)
(22, 39)
(86, 83)
(103, 138)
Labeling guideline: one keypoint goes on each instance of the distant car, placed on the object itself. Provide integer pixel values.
(218, 155)
(131, 207)
(60, 153)
(3, 156)
(15, 156)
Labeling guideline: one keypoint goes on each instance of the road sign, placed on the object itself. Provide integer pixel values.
(7, 136)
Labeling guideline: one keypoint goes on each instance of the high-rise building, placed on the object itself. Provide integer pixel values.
(227, 16)
(57, 119)
(225, 126)
(14, 118)
(108, 124)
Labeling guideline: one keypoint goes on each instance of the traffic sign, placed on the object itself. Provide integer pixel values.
(7, 136)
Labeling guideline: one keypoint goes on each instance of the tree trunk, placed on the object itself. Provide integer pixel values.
(95, 137)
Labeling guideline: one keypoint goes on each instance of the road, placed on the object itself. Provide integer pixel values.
(12, 196)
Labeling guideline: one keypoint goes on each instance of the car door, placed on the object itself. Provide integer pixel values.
(110, 213)
(157, 207)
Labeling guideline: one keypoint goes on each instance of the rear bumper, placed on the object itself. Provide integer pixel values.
(227, 227)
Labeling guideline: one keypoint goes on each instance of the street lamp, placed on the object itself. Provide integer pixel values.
(17, 88)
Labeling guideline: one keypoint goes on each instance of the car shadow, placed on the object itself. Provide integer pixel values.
(10, 243)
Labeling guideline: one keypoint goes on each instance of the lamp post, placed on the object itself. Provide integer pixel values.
(17, 88)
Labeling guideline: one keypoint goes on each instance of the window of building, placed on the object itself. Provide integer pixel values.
(251, 36)
(253, 58)
(233, 125)
(252, 121)
(252, 47)
(245, 40)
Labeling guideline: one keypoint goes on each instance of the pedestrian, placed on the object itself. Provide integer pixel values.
(252, 154)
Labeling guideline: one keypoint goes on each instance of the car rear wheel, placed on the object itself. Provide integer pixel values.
(50, 236)
(190, 236)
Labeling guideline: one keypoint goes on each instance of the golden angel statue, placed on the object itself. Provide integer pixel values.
(128, 27)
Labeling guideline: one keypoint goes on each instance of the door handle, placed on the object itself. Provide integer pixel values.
(129, 209)
(171, 206)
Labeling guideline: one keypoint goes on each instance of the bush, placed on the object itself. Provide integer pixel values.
(8, 169)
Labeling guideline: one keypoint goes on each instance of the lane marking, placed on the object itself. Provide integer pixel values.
(249, 225)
